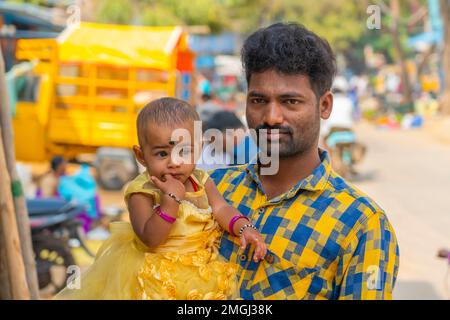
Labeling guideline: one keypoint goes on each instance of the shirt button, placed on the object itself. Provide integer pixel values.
(261, 210)
(269, 258)
(242, 257)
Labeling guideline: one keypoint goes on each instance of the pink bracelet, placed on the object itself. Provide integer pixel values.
(233, 221)
(164, 216)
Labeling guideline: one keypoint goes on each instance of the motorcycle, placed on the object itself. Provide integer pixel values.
(345, 151)
(445, 254)
(54, 226)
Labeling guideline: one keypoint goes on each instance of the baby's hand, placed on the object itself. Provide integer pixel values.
(171, 185)
(252, 236)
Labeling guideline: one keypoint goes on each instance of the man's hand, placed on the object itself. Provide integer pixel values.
(251, 236)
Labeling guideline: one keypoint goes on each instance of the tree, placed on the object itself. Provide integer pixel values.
(445, 99)
(211, 13)
(341, 22)
(117, 11)
(394, 14)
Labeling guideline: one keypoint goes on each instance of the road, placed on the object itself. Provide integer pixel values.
(407, 172)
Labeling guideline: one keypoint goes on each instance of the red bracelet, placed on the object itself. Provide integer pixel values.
(233, 221)
(164, 216)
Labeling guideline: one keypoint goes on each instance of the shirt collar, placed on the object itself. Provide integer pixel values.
(316, 181)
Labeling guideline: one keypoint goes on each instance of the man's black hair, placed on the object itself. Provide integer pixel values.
(290, 48)
(223, 120)
(206, 97)
(56, 162)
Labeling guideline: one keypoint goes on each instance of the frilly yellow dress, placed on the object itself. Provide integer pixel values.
(187, 266)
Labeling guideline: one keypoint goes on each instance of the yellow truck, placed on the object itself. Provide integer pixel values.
(87, 86)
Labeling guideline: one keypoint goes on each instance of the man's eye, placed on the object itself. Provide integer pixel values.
(293, 101)
(162, 154)
(257, 101)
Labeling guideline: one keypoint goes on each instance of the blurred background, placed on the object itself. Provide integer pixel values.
(77, 73)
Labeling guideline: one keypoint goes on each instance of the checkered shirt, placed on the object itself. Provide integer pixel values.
(326, 239)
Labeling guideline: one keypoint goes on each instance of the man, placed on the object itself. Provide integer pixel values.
(342, 116)
(49, 183)
(337, 134)
(326, 239)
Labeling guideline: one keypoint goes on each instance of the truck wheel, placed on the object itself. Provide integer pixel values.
(115, 167)
(112, 175)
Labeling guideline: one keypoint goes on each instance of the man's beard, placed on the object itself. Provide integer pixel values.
(293, 143)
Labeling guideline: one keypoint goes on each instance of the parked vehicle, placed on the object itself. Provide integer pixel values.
(86, 88)
(445, 254)
(345, 151)
(53, 225)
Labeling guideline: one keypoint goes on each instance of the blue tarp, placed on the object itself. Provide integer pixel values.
(225, 43)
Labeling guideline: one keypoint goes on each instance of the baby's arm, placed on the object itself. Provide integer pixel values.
(149, 227)
(223, 213)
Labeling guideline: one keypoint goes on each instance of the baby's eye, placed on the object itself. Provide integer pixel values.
(162, 154)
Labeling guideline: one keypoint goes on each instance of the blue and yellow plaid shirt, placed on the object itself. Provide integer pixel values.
(326, 239)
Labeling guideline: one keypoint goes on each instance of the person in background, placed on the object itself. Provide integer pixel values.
(49, 182)
(80, 187)
(216, 155)
(342, 116)
(207, 107)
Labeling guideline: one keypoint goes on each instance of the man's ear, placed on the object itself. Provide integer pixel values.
(139, 155)
(326, 105)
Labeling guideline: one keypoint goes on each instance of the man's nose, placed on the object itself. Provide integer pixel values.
(273, 115)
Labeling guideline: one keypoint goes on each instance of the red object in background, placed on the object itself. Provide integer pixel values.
(230, 105)
(185, 61)
(229, 80)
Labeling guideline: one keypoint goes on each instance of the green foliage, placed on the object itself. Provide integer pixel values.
(35, 2)
(166, 12)
(340, 21)
(117, 11)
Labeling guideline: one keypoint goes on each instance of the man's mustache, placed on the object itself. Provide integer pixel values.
(282, 129)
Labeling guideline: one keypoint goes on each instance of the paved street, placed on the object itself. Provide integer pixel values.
(408, 174)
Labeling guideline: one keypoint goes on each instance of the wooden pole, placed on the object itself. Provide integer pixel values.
(21, 211)
(445, 99)
(16, 268)
(5, 288)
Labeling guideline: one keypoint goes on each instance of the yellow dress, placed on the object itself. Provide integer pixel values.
(187, 266)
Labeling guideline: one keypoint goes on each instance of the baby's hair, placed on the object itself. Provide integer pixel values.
(164, 111)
